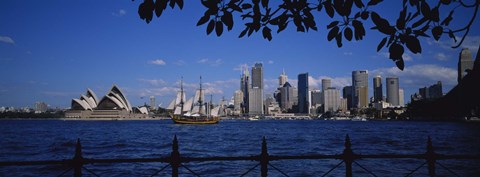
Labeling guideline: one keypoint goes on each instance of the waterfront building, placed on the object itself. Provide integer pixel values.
(303, 101)
(331, 98)
(282, 79)
(287, 101)
(113, 105)
(377, 89)
(40, 107)
(393, 96)
(316, 97)
(434, 91)
(245, 87)
(359, 84)
(401, 100)
(465, 63)
(326, 83)
(152, 103)
(347, 94)
(343, 105)
(237, 102)
(255, 100)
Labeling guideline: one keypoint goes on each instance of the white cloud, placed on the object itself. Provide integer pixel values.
(216, 62)
(270, 62)
(347, 53)
(7, 40)
(471, 42)
(153, 82)
(406, 56)
(59, 94)
(417, 76)
(202, 60)
(158, 62)
(441, 56)
(240, 67)
(164, 91)
(119, 13)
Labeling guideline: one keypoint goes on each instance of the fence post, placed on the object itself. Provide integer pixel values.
(431, 158)
(175, 157)
(348, 157)
(264, 158)
(77, 161)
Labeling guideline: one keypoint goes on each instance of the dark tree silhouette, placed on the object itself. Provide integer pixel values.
(417, 18)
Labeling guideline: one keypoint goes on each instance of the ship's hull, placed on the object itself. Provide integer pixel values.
(194, 120)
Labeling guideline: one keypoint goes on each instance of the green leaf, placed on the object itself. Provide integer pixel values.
(413, 44)
(374, 2)
(203, 20)
(348, 33)
(333, 32)
(267, 33)
(437, 32)
(381, 44)
(219, 28)
(210, 26)
(331, 25)
(400, 64)
(227, 19)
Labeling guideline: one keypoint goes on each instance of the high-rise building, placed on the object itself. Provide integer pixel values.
(347, 94)
(237, 102)
(362, 97)
(465, 62)
(393, 96)
(435, 91)
(245, 87)
(40, 107)
(287, 101)
(401, 99)
(326, 83)
(255, 100)
(303, 101)
(282, 79)
(331, 98)
(359, 80)
(316, 97)
(377, 89)
(152, 103)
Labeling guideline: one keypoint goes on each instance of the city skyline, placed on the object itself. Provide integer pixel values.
(54, 56)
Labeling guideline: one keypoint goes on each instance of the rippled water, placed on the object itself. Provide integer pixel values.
(55, 140)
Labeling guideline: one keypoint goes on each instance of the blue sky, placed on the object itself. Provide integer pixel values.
(52, 51)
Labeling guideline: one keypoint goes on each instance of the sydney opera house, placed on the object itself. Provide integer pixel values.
(113, 105)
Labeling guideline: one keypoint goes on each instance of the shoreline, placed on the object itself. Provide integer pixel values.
(88, 119)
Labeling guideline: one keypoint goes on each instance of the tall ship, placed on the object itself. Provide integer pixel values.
(195, 110)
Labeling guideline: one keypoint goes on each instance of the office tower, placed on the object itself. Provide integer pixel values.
(359, 80)
(326, 83)
(393, 96)
(347, 94)
(237, 102)
(331, 98)
(401, 100)
(435, 91)
(244, 87)
(465, 62)
(377, 89)
(303, 102)
(286, 93)
(282, 79)
(343, 104)
(316, 97)
(152, 103)
(255, 100)
(40, 107)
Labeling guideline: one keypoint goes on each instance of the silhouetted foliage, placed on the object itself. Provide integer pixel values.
(417, 18)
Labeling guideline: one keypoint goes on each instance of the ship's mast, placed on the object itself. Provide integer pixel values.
(200, 96)
(181, 95)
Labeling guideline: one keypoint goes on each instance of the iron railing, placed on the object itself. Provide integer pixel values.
(176, 161)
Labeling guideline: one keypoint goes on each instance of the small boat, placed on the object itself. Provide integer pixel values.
(359, 119)
(194, 111)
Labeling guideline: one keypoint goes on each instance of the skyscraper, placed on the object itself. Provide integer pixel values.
(359, 80)
(255, 100)
(245, 87)
(347, 94)
(393, 96)
(331, 98)
(286, 93)
(237, 102)
(303, 101)
(377, 89)
(465, 62)
(282, 79)
(152, 103)
(326, 83)
(401, 100)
